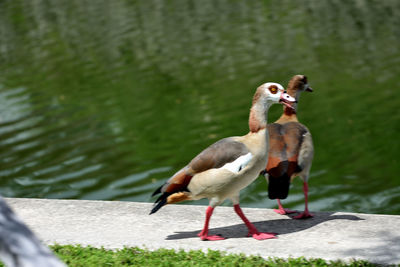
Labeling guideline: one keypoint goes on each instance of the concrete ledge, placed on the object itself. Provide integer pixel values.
(115, 224)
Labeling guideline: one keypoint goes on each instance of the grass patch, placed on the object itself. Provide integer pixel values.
(89, 256)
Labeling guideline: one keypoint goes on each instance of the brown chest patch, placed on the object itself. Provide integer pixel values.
(285, 141)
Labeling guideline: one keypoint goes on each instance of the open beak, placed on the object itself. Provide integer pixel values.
(287, 100)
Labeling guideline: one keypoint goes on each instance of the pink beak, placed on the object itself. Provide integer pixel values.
(287, 100)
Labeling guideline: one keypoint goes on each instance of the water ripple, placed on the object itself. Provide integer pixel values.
(107, 100)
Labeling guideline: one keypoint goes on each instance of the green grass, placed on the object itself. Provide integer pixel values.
(89, 256)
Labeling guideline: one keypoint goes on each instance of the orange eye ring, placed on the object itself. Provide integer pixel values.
(273, 89)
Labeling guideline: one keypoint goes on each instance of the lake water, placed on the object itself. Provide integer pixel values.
(107, 99)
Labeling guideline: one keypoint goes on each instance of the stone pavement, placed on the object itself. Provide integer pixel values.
(115, 224)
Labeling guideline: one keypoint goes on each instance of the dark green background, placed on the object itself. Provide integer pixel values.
(107, 99)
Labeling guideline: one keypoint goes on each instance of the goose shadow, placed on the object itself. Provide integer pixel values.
(279, 226)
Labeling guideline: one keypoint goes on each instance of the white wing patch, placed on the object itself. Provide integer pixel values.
(239, 164)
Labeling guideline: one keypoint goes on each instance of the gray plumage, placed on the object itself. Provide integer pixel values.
(218, 154)
(19, 247)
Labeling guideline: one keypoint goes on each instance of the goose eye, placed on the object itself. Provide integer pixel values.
(273, 89)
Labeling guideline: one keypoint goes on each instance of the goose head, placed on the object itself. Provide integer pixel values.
(298, 83)
(266, 95)
(271, 93)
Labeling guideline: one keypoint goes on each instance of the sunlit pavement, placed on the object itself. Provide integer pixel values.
(115, 224)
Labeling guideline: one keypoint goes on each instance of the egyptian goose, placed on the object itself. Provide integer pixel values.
(19, 246)
(291, 151)
(220, 171)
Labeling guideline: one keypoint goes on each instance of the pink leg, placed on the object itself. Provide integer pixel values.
(252, 229)
(204, 233)
(305, 214)
(281, 210)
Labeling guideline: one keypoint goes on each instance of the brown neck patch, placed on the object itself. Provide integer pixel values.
(289, 111)
(254, 123)
(287, 116)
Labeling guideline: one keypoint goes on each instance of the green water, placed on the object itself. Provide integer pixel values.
(107, 99)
